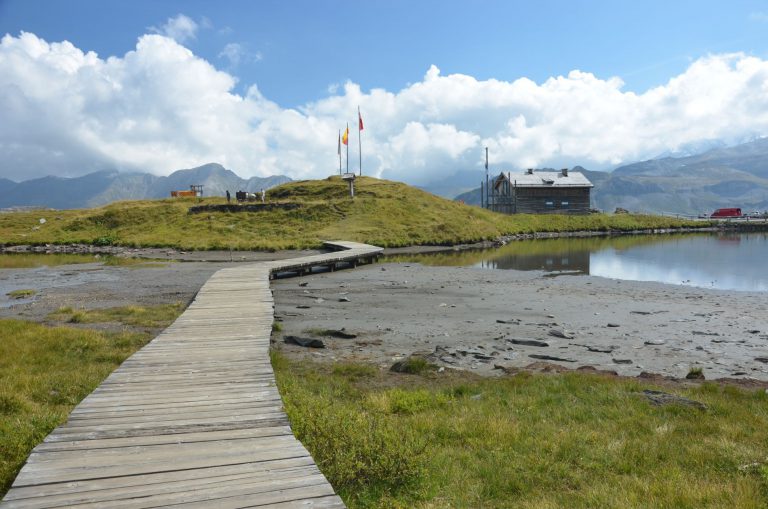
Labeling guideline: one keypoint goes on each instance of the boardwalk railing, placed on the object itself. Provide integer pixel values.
(194, 418)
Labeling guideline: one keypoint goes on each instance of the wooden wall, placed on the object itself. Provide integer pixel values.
(541, 200)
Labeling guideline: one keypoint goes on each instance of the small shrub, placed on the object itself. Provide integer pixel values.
(413, 366)
(105, 240)
(277, 327)
(357, 450)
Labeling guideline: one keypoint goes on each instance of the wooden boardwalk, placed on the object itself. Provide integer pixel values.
(194, 418)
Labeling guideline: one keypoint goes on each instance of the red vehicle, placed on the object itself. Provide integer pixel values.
(723, 213)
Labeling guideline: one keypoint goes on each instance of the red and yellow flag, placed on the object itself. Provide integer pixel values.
(360, 119)
(345, 136)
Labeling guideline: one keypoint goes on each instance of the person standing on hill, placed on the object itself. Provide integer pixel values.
(263, 196)
(228, 196)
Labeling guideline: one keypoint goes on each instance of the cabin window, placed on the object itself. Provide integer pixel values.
(564, 204)
(549, 203)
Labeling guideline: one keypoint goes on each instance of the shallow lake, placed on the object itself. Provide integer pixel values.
(726, 261)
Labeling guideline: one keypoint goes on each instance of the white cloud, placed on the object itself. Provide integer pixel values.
(161, 107)
(181, 28)
(235, 53)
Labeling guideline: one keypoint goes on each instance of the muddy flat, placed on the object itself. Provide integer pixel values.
(482, 320)
(469, 319)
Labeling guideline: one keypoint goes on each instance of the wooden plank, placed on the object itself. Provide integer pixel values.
(165, 439)
(193, 419)
(157, 482)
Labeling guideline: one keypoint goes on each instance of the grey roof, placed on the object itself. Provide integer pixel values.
(547, 179)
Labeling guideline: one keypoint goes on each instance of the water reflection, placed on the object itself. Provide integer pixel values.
(572, 262)
(728, 262)
(724, 261)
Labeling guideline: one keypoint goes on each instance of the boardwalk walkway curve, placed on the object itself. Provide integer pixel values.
(194, 418)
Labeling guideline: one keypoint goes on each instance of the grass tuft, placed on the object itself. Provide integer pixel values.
(354, 371)
(159, 316)
(414, 366)
(22, 294)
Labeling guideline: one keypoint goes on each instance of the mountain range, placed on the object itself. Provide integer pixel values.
(720, 177)
(104, 187)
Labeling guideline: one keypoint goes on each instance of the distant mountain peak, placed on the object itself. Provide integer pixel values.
(106, 186)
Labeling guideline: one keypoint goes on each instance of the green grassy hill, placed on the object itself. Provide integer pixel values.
(383, 213)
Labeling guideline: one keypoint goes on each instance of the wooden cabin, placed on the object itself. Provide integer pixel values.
(538, 192)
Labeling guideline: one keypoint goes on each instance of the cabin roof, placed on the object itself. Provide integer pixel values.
(545, 179)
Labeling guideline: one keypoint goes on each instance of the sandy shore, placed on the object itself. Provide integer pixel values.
(482, 320)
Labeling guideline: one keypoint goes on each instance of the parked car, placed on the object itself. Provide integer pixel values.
(726, 213)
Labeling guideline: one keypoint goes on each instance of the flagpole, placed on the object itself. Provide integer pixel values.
(347, 147)
(339, 151)
(359, 139)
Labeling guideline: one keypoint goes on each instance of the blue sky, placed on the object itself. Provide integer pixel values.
(263, 87)
(297, 49)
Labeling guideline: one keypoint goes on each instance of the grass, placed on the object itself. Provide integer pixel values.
(33, 260)
(159, 316)
(29, 261)
(22, 294)
(414, 366)
(44, 373)
(383, 213)
(531, 441)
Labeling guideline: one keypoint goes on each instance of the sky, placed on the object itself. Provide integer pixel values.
(264, 87)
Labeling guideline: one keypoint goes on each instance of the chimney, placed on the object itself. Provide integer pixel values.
(565, 172)
(530, 171)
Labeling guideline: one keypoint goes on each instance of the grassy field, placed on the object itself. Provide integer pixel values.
(44, 373)
(531, 441)
(383, 213)
(28, 261)
(160, 316)
(32, 260)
